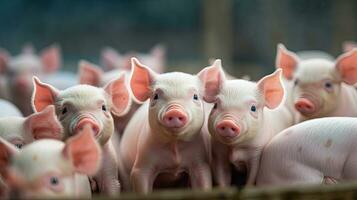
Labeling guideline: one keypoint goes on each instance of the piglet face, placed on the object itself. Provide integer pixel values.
(237, 114)
(175, 102)
(317, 82)
(84, 104)
(46, 168)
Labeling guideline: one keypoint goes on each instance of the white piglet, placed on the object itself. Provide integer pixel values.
(50, 168)
(164, 138)
(320, 87)
(245, 116)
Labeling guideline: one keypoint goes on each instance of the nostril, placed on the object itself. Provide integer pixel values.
(170, 118)
(233, 129)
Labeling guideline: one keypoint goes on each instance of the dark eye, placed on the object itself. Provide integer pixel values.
(328, 85)
(296, 82)
(253, 108)
(54, 181)
(195, 97)
(104, 108)
(64, 110)
(215, 106)
(156, 96)
(19, 146)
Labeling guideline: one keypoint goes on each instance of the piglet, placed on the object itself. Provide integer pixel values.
(50, 168)
(92, 74)
(156, 59)
(84, 104)
(18, 71)
(319, 87)
(244, 117)
(8, 109)
(318, 151)
(24, 130)
(164, 139)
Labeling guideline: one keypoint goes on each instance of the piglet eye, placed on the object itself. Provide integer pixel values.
(104, 108)
(19, 146)
(253, 108)
(54, 181)
(64, 110)
(296, 82)
(156, 96)
(195, 97)
(215, 106)
(328, 85)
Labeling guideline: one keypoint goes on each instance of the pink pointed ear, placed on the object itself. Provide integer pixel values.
(7, 151)
(272, 89)
(119, 94)
(110, 58)
(44, 124)
(51, 59)
(212, 79)
(346, 65)
(83, 151)
(89, 74)
(43, 95)
(141, 79)
(348, 46)
(4, 59)
(287, 61)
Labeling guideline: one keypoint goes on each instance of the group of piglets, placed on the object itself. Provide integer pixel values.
(133, 127)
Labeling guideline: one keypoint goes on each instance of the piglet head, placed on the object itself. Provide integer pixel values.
(317, 82)
(175, 102)
(83, 105)
(46, 168)
(237, 113)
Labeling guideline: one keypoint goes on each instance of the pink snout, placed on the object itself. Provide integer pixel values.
(227, 128)
(305, 106)
(175, 118)
(85, 121)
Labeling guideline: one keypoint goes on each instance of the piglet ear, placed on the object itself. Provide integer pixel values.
(51, 58)
(110, 58)
(346, 65)
(4, 59)
(348, 46)
(271, 87)
(7, 151)
(141, 80)
(287, 61)
(43, 95)
(120, 95)
(44, 124)
(89, 73)
(83, 151)
(212, 79)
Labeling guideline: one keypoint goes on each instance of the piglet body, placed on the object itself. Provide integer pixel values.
(313, 152)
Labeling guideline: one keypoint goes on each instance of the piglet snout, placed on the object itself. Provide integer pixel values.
(175, 118)
(227, 128)
(85, 121)
(305, 106)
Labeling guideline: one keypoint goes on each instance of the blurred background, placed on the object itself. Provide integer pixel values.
(244, 33)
